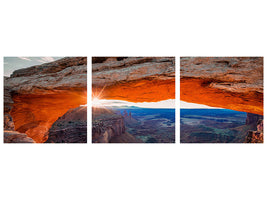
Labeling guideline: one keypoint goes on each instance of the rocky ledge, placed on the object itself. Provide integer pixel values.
(135, 79)
(228, 82)
(16, 137)
(49, 78)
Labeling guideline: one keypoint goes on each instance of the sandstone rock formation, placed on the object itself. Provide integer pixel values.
(70, 128)
(16, 137)
(108, 127)
(35, 97)
(228, 82)
(252, 119)
(256, 136)
(50, 78)
(136, 79)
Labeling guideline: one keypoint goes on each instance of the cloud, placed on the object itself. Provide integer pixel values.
(41, 61)
(25, 58)
(47, 59)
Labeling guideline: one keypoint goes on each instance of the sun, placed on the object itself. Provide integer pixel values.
(97, 98)
(96, 102)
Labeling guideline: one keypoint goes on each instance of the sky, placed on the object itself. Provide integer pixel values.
(170, 103)
(184, 104)
(13, 63)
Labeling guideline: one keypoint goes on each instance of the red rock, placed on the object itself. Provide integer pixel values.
(228, 82)
(135, 79)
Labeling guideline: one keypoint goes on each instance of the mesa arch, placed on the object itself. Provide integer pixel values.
(228, 82)
(37, 96)
(135, 79)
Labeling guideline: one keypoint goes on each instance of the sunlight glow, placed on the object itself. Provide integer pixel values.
(170, 103)
(96, 102)
(184, 104)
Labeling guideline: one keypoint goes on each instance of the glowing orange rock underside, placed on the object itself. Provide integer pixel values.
(139, 91)
(195, 91)
(35, 114)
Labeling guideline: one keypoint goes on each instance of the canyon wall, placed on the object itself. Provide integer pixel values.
(255, 132)
(227, 82)
(256, 136)
(105, 125)
(136, 79)
(109, 127)
(70, 128)
(36, 96)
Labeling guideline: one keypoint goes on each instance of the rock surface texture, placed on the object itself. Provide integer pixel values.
(108, 127)
(228, 82)
(36, 96)
(136, 79)
(16, 137)
(70, 128)
(256, 136)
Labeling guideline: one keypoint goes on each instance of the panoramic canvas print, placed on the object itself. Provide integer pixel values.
(221, 99)
(45, 99)
(133, 99)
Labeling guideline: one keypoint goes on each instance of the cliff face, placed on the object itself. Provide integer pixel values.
(135, 79)
(108, 127)
(228, 82)
(70, 128)
(252, 119)
(256, 136)
(8, 103)
(35, 97)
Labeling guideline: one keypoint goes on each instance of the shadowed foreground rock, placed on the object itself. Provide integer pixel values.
(16, 137)
(228, 82)
(70, 128)
(35, 97)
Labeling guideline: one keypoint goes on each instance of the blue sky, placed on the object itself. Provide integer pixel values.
(13, 63)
